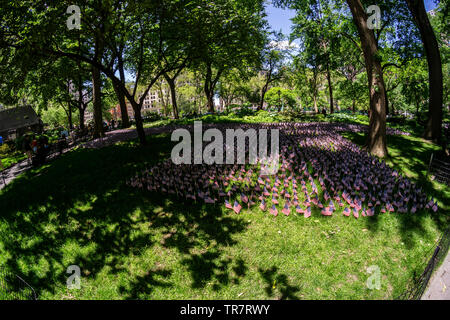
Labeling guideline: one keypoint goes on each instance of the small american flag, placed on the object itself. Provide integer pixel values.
(273, 211)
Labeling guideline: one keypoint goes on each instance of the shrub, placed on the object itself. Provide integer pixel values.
(5, 149)
(245, 110)
(151, 116)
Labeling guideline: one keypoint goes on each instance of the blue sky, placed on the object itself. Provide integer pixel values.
(280, 19)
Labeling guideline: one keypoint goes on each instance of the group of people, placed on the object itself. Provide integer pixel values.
(36, 149)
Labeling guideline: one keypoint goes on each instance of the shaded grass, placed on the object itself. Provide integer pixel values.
(132, 244)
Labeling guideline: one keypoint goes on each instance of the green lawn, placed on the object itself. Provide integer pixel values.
(132, 244)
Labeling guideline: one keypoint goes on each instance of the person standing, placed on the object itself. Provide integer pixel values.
(34, 145)
(26, 146)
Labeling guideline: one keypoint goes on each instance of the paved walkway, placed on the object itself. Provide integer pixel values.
(112, 137)
(10, 174)
(439, 285)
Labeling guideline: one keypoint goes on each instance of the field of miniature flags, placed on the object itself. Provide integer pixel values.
(319, 170)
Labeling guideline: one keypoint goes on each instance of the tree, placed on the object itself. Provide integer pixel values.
(227, 34)
(40, 30)
(353, 88)
(376, 138)
(433, 129)
(51, 84)
(316, 24)
(414, 84)
(308, 75)
(281, 97)
(171, 81)
(232, 86)
(250, 89)
(273, 58)
(119, 92)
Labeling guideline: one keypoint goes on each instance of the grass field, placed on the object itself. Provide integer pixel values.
(132, 244)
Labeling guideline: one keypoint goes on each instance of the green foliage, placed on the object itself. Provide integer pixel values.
(5, 149)
(55, 117)
(414, 79)
(244, 110)
(10, 154)
(151, 116)
(281, 97)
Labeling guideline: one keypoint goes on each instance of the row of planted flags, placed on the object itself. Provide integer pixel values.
(318, 169)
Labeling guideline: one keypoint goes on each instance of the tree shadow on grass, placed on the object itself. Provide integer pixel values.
(199, 235)
(142, 286)
(79, 211)
(278, 282)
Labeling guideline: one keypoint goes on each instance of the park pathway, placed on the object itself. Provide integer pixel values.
(439, 285)
(10, 174)
(112, 137)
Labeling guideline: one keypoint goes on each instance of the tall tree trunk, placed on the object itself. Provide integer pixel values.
(80, 106)
(69, 106)
(173, 93)
(69, 115)
(433, 128)
(80, 98)
(97, 85)
(97, 102)
(263, 95)
(417, 109)
(81, 118)
(139, 123)
(353, 105)
(209, 90)
(316, 109)
(121, 96)
(330, 87)
(376, 138)
(210, 97)
(387, 101)
(315, 90)
(123, 106)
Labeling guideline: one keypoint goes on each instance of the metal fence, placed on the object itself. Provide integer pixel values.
(439, 169)
(420, 283)
(13, 287)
